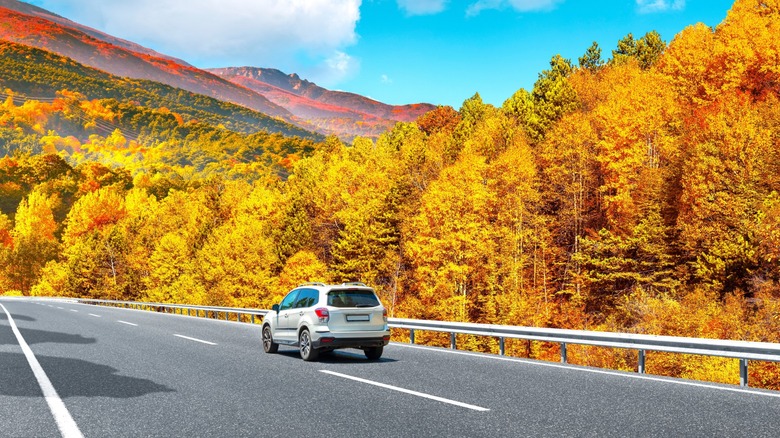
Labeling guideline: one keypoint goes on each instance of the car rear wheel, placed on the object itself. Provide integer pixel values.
(269, 346)
(374, 353)
(308, 352)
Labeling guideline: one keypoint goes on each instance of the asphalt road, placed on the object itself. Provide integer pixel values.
(133, 373)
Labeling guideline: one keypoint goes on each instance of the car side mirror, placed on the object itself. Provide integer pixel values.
(275, 307)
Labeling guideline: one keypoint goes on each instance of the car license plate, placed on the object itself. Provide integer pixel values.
(354, 318)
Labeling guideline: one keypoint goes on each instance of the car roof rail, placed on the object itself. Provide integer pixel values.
(311, 283)
(354, 283)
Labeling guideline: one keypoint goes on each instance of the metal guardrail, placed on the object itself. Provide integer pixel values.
(742, 350)
(214, 311)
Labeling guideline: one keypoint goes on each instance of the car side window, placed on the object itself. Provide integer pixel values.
(307, 298)
(288, 301)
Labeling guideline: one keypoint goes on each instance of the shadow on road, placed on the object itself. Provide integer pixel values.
(4, 317)
(71, 378)
(336, 356)
(32, 336)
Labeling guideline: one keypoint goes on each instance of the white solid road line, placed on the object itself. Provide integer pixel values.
(128, 323)
(96, 316)
(408, 391)
(195, 339)
(591, 370)
(68, 427)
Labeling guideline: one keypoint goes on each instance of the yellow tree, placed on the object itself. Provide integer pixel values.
(637, 149)
(747, 48)
(166, 236)
(6, 246)
(235, 264)
(729, 160)
(303, 266)
(451, 243)
(519, 278)
(95, 248)
(171, 276)
(34, 242)
(686, 64)
(367, 242)
(741, 54)
(570, 181)
(141, 228)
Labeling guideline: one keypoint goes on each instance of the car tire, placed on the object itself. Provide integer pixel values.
(269, 346)
(374, 353)
(308, 352)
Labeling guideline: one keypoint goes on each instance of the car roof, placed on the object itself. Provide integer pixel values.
(327, 287)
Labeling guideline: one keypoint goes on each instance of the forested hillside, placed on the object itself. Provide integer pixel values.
(35, 27)
(38, 73)
(638, 193)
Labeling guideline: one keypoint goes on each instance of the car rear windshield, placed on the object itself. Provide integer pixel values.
(352, 298)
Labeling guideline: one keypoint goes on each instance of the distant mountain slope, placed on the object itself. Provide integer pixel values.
(253, 77)
(40, 73)
(26, 24)
(327, 118)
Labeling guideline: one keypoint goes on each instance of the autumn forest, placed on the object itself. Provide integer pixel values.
(635, 190)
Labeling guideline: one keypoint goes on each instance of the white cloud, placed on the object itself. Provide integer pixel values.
(422, 7)
(340, 66)
(518, 5)
(211, 33)
(385, 79)
(652, 6)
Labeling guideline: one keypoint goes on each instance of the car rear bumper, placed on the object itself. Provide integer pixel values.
(351, 340)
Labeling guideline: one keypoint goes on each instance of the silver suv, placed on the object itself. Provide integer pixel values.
(318, 317)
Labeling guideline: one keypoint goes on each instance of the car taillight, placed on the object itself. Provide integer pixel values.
(384, 314)
(322, 314)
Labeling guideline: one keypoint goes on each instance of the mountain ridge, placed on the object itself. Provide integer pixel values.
(302, 87)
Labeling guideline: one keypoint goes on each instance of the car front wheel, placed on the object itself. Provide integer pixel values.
(269, 346)
(308, 352)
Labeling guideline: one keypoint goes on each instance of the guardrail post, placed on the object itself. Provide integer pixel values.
(501, 349)
(452, 341)
(253, 318)
(743, 372)
(563, 352)
(411, 336)
(641, 365)
(226, 316)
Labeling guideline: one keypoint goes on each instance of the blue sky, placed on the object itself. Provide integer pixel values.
(395, 51)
